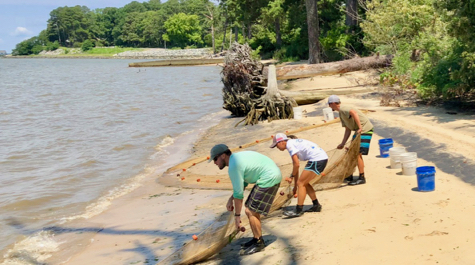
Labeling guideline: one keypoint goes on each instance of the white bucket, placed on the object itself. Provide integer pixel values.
(297, 113)
(409, 163)
(395, 156)
(328, 114)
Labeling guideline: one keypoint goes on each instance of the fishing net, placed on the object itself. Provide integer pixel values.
(207, 243)
(341, 164)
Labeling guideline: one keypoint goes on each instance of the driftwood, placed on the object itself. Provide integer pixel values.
(313, 96)
(309, 70)
(246, 92)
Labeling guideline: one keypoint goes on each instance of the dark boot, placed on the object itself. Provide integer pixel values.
(296, 213)
(258, 246)
(249, 243)
(315, 208)
(358, 181)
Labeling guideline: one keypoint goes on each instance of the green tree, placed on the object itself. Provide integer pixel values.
(182, 30)
(459, 65)
(87, 45)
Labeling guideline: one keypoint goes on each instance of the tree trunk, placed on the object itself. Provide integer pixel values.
(313, 32)
(278, 37)
(236, 33)
(309, 70)
(245, 92)
(212, 39)
(225, 29)
(351, 13)
(313, 96)
(249, 31)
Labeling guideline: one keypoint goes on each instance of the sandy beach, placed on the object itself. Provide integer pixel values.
(385, 221)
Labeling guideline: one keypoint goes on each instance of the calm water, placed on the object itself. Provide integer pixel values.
(75, 131)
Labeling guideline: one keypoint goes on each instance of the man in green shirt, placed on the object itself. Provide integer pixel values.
(249, 167)
(354, 120)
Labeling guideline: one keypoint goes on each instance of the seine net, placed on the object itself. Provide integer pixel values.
(341, 164)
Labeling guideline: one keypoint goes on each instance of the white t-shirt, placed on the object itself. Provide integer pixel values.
(306, 150)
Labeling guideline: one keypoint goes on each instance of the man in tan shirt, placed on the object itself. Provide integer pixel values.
(354, 120)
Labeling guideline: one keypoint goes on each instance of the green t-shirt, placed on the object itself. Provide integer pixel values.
(349, 122)
(249, 167)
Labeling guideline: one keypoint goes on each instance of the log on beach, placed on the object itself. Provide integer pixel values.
(312, 96)
(309, 70)
(178, 62)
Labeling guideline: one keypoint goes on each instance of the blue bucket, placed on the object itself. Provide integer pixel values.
(384, 145)
(426, 178)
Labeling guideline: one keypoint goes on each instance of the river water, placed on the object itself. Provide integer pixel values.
(75, 132)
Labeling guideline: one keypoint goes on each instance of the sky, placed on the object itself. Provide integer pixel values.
(23, 19)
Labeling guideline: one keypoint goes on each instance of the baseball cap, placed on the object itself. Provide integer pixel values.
(333, 99)
(217, 150)
(279, 137)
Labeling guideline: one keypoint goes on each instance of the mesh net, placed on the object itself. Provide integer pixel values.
(341, 164)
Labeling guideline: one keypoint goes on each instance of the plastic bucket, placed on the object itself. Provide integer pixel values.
(384, 145)
(328, 114)
(297, 113)
(408, 163)
(394, 156)
(426, 178)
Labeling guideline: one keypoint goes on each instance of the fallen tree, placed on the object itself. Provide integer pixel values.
(250, 89)
(313, 96)
(246, 91)
(308, 70)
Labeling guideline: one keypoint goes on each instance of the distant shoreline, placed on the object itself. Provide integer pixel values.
(98, 57)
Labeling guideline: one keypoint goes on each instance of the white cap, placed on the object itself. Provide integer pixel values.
(333, 99)
(279, 137)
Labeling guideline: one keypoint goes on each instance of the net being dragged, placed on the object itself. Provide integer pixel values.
(341, 163)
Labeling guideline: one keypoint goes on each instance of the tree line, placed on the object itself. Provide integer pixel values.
(431, 40)
(273, 28)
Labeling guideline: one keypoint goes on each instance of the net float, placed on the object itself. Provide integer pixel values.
(217, 181)
(177, 175)
(243, 229)
(295, 195)
(257, 141)
(184, 169)
(194, 164)
(198, 180)
(182, 178)
(195, 237)
(282, 193)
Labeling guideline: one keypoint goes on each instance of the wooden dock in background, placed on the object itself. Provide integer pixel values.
(178, 62)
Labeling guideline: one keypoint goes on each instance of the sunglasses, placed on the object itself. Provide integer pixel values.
(216, 157)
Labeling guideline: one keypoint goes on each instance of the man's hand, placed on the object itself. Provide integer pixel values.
(340, 146)
(229, 205)
(294, 191)
(237, 222)
(359, 131)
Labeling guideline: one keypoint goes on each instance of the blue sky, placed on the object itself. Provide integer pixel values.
(23, 19)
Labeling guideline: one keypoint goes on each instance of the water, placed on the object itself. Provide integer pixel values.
(75, 131)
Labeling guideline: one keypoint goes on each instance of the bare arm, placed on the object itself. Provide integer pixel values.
(295, 170)
(237, 209)
(355, 116)
(345, 138)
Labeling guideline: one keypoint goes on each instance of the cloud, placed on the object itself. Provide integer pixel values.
(21, 31)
